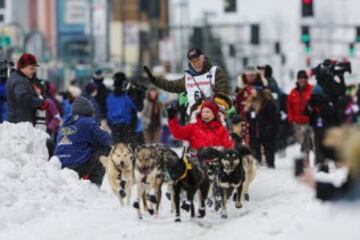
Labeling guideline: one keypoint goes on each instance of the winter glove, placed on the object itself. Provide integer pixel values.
(183, 100)
(172, 111)
(231, 112)
(235, 119)
(149, 74)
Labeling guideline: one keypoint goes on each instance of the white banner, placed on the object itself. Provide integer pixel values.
(75, 12)
(99, 19)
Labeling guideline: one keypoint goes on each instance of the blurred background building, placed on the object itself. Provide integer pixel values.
(73, 37)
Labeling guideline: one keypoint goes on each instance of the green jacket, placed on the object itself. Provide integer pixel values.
(178, 85)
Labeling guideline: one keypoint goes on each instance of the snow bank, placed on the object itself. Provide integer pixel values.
(38, 201)
(30, 185)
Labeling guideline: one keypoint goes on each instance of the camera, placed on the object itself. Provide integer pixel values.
(299, 166)
(137, 92)
(330, 68)
(6, 67)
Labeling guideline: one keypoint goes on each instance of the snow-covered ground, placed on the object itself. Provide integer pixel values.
(40, 201)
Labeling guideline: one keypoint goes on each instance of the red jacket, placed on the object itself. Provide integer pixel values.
(296, 103)
(201, 134)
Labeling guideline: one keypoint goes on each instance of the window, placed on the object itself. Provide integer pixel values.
(2, 3)
(1, 17)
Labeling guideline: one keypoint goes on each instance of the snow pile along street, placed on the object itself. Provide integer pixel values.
(40, 201)
(30, 185)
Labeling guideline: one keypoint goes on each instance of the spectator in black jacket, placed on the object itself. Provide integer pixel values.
(263, 120)
(322, 115)
(22, 97)
(90, 92)
(102, 92)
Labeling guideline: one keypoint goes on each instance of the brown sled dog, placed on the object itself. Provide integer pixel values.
(148, 178)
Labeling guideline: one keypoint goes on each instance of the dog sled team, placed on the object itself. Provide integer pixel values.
(216, 167)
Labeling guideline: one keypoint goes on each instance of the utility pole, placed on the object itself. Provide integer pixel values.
(123, 19)
(92, 41)
(109, 6)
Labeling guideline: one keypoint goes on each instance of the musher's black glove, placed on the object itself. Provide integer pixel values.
(172, 111)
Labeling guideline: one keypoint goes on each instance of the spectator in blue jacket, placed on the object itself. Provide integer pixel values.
(81, 142)
(121, 112)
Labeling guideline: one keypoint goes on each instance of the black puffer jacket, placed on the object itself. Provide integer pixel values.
(100, 98)
(265, 123)
(22, 99)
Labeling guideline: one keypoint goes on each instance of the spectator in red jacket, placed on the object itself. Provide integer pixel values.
(207, 131)
(296, 103)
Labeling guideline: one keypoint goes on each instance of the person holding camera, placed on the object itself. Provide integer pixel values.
(296, 103)
(23, 97)
(201, 81)
(121, 112)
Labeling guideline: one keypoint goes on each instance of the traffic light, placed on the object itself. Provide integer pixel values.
(255, 34)
(277, 47)
(307, 8)
(357, 38)
(306, 38)
(230, 5)
(352, 50)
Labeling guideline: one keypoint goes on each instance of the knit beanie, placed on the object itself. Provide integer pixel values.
(83, 107)
(212, 106)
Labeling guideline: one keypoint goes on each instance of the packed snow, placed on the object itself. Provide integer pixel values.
(39, 201)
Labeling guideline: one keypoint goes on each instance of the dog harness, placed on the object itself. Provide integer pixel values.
(188, 167)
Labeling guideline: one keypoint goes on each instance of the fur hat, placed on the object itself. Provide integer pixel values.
(83, 107)
(250, 70)
(27, 59)
(212, 106)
